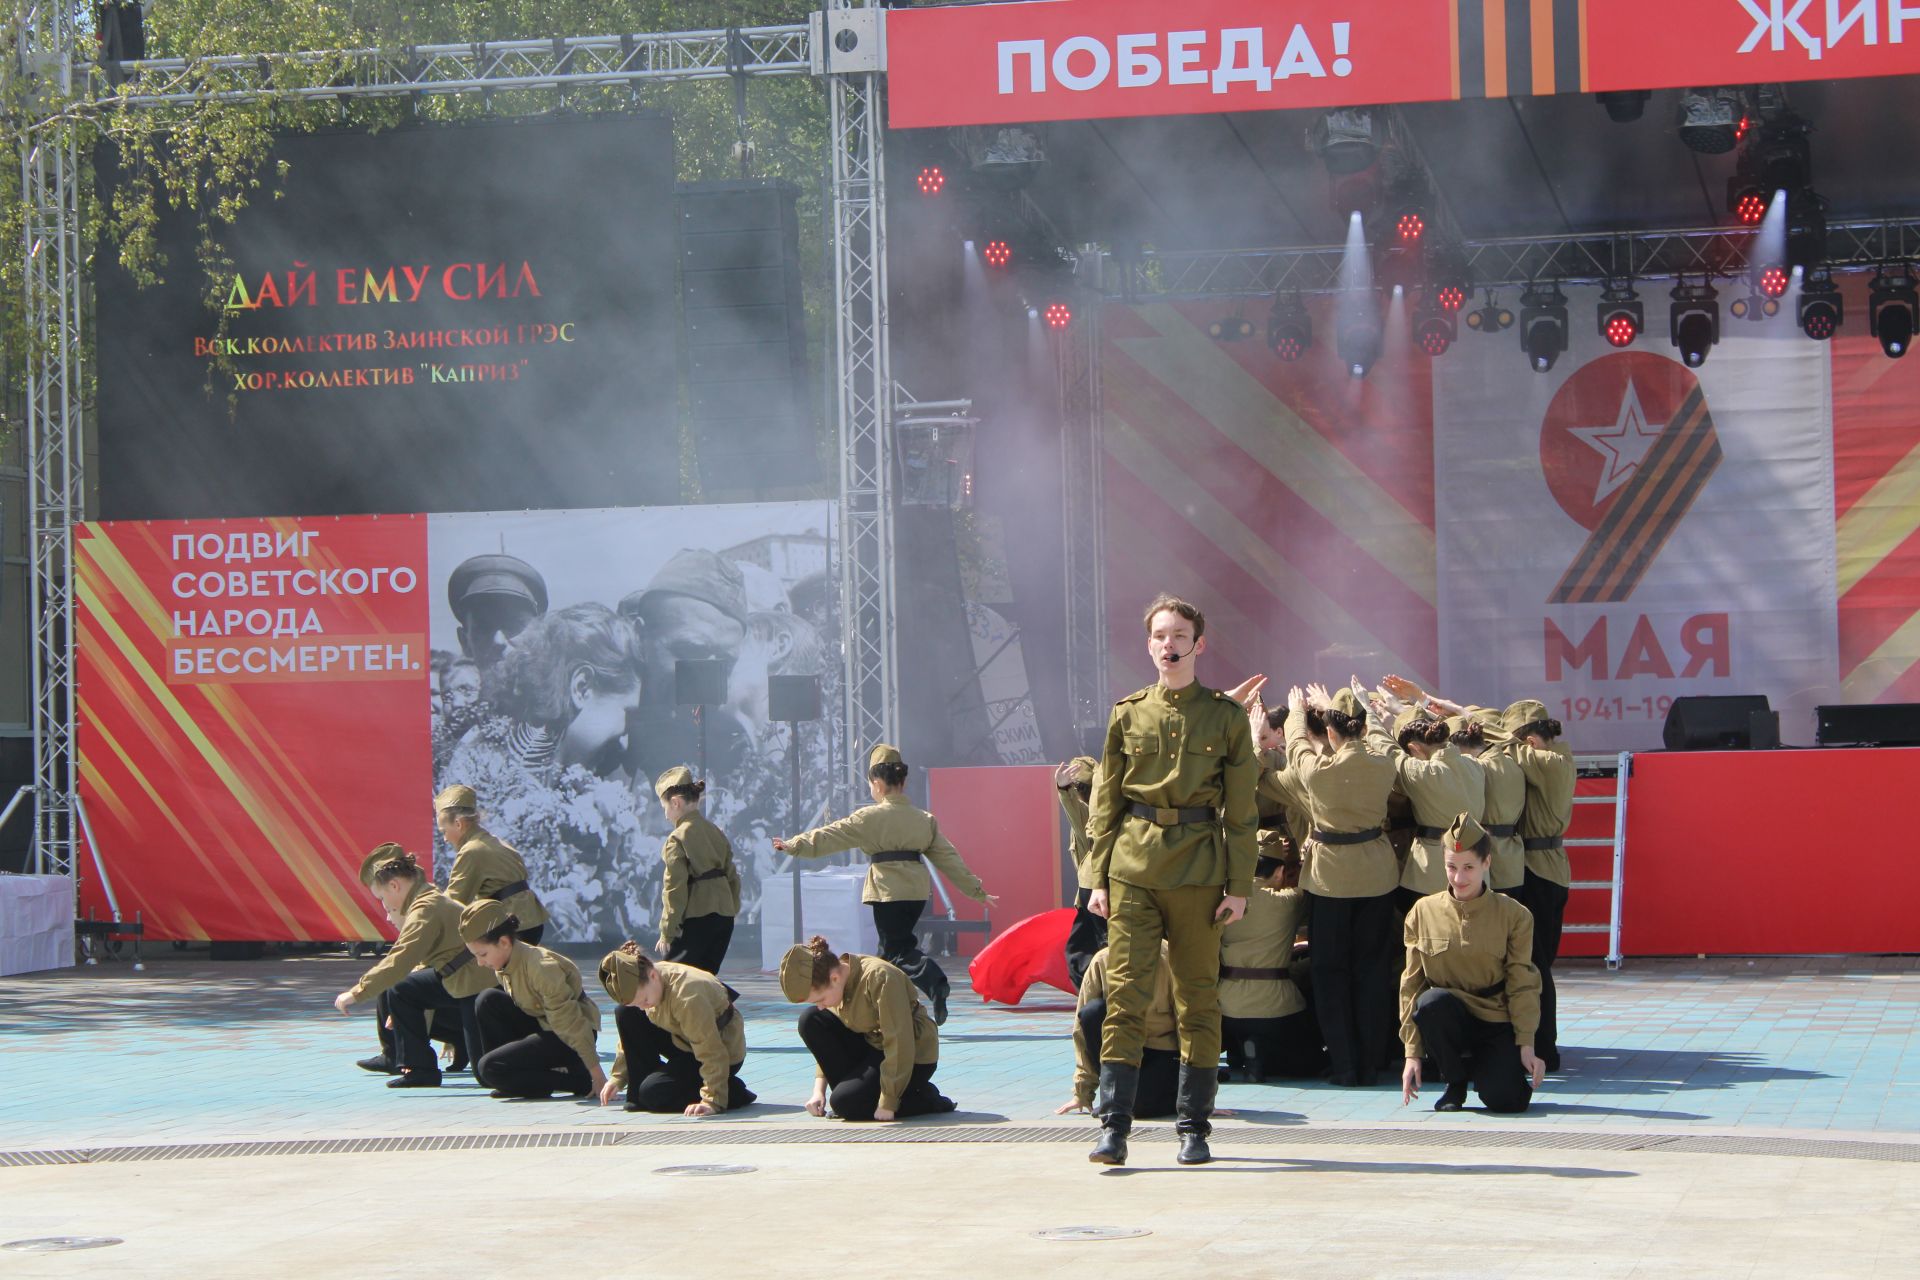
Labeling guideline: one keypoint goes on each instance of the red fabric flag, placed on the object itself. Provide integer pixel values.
(1034, 950)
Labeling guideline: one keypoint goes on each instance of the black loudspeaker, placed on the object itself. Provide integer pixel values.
(1888, 724)
(1735, 723)
(749, 382)
(700, 682)
(791, 698)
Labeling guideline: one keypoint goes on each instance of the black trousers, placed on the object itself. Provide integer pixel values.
(1356, 959)
(1403, 900)
(900, 945)
(1287, 1047)
(702, 942)
(1548, 903)
(661, 1076)
(1085, 938)
(1465, 1048)
(411, 999)
(1159, 1087)
(447, 1031)
(852, 1069)
(521, 1058)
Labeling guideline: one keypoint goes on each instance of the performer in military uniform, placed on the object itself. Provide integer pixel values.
(448, 1031)
(874, 1045)
(1532, 740)
(1173, 824)
(484, 866)
(1264, 1019)
(428, 969)
(1437, 781)
(1470, 995)
(537, 1029)
(899, 841)
(1073, 781)
(1158, 1091)
(1506, 793)
(700, 894)
(682, 1040)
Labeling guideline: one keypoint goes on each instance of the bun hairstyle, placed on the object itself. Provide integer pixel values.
(890, 775)
(1346, 726)
(508, 928)
(1431, 732)
(642, 961)
(1277, 719)
(691, 792)
(393, 868)
(1316, 722)
(1470, 735)
(824, 959)
(1546, 729)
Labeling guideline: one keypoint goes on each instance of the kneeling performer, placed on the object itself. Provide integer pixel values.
(537, 1029)
(682, 1042)
(1155, 1094)
(868, 1032)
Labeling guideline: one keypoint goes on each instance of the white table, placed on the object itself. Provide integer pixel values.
(830, 906)
(36, 923)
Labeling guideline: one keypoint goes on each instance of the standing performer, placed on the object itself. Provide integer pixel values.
(682, 1041)
(427, 969)
(1438, 782)
(1158, 1091)
(1533, 742)
(700, 894)
(1506, 792)
(1350, 874)
(873, 1043)
(483, 866)
(387, 1061)
(1470, 995)
(1074, 783)
(899, 841)
(1173, 825)
(1264, 1018)
(537, 1029)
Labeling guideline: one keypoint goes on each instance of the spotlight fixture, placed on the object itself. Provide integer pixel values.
(998, 253)
(1893, 306)
(1358, 338)
(1711, 120)
(1450, 297)
(1410, 226)
(1821, 309)
(932, 180)
(1230, 329)
(1695, 321)
(1755, 307)
(1347, 140)
(1624, 106)
(1747, 202)
(1434, 328)
(1543, 326)
(1491, 318)
(1622, 316)
(1289, 329)
(1059, 315)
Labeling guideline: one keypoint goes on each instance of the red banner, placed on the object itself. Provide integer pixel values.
(253, 696)
(1093, 59)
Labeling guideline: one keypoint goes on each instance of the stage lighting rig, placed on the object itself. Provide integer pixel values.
(1776, 157)
(1234, 328)
(997, 254)
(1491, 318)
(1711, 121)
(1543, 326)
(1289, 328)
(1695, 321)
(1348, 140)
(1434, 328)
(1624, 106)
(932, 180)
(1893, 307)
(1001, 157)
(1756, 307)
(1622, 316)
(1821, 309)
(1058, 315)
(1358, 338)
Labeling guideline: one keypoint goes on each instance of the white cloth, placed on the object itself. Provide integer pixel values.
(36, 923)
(829, 906)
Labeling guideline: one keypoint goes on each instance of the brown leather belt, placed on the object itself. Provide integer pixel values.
(1544, 842)
(1347, 837)
(1172, 817)
(1254, 975)
(895, 855)
(455, 965)
(718, 873)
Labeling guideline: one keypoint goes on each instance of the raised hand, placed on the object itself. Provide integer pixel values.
(1246, 689)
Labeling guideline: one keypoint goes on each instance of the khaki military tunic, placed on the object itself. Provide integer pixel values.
(1074, 805)
(694, 851)
(546, 986)
(1262, 939)
(484, 866)
(692, 1005)
(1506, 799)
(1185, 748)
(1548, 812)
(1347, 791)
(1162, 1032)
(1281, 793)
(1466, 948)
(1440, 788)
(880, 1003)
(429, 938)
(892, 826)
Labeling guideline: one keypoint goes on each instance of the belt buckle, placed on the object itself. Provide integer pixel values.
(1167, 817)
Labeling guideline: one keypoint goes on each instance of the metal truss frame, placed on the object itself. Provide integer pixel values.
(1083, 526)
(1506, 263)
(55, 294)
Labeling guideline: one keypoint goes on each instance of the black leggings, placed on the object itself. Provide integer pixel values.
(900, 945)
(1159, 1083)
(521, 1058)
(410, 999)
(446, 1031)
(702, 942)
(661, 1076)
(1355, 962)
(1466, 1048)
(1287, 1048)
(1085, 938)
(1547, 902)
(852, 1069)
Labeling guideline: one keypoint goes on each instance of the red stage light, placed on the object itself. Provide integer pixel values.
(1412, 226)
(932, 181)
(1434, 343)
(1751, 210)
(1451, 297)
(1288, 348)
(1741, 130)
(1621, 331)
(1059, 315)
(997, 253)
(1820, 325)
(1773, 281)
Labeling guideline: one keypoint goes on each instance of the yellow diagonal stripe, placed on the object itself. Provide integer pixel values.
(1876, 673)
(1248, 549)
(1193, 367)
(1886, 516)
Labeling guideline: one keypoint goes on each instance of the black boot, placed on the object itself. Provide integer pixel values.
(380, 1065)
(1256, 1068)
(1114, 1106)
(1193, 1107)
(1454, 1098)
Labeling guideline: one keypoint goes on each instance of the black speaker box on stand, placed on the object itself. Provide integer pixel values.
(1731, 723)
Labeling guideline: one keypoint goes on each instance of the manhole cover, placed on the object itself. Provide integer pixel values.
(1091, 1233)
(704, 1170)
(60, 1244)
